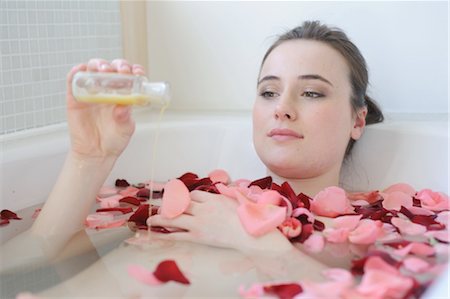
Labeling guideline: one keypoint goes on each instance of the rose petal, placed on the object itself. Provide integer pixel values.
(434, 201)
(415, 264)
(443, 218)
(367, 232)
(349, 222)
(407, 227)
(415, 248)
(129, 191)
(175, 199)
(157, 186)
(7, 214)
(321, 204)
(283, 291)
(270, 197)
(4, 221)
(226, 190)
(219, 176)
(122, 183)
(140, 216)
(401, 187)
(291, 227)
(131, 200)
(396, 199)
(111, 201)
(254, 291)
(442, 236)
(263, 183)
(124, 210)
(366, 197)
(106, 191)
(36, 213)
(259, 219)
(168, 270)
(378, 263)
(143, 275)
(26, 295)
(382, 284)
(302, 211)
(315, 243)
(336, 235)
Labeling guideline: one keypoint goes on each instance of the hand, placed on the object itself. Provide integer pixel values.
(99, 130)
(212, 219)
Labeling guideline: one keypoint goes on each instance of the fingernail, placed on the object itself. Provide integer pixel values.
(104, 67)
(125, 68)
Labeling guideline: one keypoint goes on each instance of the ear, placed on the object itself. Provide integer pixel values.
(359, 123)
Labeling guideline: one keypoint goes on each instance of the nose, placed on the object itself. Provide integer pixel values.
(284, 110)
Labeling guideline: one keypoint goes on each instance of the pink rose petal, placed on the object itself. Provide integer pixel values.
(443, 218)
(175, 199)
(336, 235)
(291, 227)
(110, 201)
(349, 222)
(315, 243)
(259, 219)
(367, 232)
(434, 201)
(401, 187)
(377, 263)
(441, 235)
(270, 197)
(415, 248)
(407, 227)
(106, 191)
(219, 176)
(129, 191)
(415, 264)
(143, 275)
(331, 202)
(26, 295)
(254, 291)
(382, 284)
(396, 199)
(226, 190)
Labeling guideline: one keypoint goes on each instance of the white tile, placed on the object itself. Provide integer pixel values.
(14, 44)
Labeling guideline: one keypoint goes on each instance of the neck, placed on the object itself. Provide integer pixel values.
(309, 186)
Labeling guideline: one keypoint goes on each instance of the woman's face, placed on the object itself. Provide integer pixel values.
(302, 116)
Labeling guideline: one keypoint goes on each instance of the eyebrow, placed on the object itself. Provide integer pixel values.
(302, 77)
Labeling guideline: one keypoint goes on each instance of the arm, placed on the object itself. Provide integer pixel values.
(98, 133)
(211, 219)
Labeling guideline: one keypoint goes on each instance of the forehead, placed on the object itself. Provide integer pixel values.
(299, 57)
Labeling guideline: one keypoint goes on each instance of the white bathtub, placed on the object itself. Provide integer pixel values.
(415, 152)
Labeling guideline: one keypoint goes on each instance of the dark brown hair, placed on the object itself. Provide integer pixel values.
(359, 77)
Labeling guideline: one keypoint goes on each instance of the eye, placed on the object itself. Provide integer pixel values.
(268, 94)
(312, 94)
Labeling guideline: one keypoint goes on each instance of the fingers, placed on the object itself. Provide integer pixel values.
(121, 66)
(78, 68)
(138, 69)
(99, 65)
(182, 221)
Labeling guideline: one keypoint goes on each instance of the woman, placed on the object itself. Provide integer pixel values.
(311, 106)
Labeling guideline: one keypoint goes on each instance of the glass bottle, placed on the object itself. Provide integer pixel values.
(116, 88)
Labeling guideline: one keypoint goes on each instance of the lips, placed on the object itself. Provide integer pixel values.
(284, 134)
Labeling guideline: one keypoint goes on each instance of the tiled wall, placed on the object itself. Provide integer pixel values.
(40, 41)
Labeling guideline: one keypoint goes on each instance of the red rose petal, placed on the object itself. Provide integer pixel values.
(168, 270)
(284, 291)
(263, 183)
(7, 214)
(143, 192)
(4, 221)
(131, 200)
(140, 216)
(124, 210)
(122, 183)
